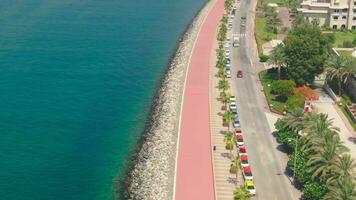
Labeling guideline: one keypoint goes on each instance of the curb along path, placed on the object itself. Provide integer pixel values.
(194, 178)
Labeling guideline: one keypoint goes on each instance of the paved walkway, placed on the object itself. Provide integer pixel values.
(195, 168)
(225, 182)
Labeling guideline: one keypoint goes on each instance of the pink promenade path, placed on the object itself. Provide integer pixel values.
(194, 178)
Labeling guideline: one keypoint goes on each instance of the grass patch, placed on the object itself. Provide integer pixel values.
(345, 53)
(347, 115)
(279, 2)
(266, 80)
(341, 104)
(262, 36)
(341, 37)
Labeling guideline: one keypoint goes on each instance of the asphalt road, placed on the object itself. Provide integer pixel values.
(268, 163)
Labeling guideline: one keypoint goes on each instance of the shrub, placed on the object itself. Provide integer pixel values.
(295, 101)
(307, 93)
(264, 58)
(347, 44)
(302, 175)
(283, 87)
(314, 191)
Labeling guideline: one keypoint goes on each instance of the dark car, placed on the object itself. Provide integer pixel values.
(240, 74)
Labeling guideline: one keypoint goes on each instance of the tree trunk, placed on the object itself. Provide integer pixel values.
(279, 72)
(340, 89)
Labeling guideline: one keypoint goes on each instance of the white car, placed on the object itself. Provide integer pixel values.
(228, 74)
(233, 108)
(236, 124)
(247, 172)
(233, 103)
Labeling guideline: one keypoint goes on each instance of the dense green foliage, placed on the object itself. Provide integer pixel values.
(320, 163)
(283, 87)
(305, 53)
(264, 58)
(314, 191)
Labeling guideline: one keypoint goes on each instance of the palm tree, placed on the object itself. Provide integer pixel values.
(341, 189)
(341, 69)
(223, 85)
(295, 120)
(221, 73)
(229, 142)
(242, 193)
(316, 125)
(277, 58)
(344, 166)
(227, 118)
(326, 150)
(225, 99)
(235, 166)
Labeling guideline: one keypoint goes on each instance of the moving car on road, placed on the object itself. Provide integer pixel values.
(251, 187)
(240, 74)
(247, 172)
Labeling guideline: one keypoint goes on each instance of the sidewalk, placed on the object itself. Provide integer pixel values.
(194, 178)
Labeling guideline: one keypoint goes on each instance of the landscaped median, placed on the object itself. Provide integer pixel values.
(282, 94)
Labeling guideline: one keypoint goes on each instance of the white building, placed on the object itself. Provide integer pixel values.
(338, 14)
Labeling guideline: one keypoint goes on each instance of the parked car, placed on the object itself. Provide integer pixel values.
(238, 130)
(233, 103)
(228, 61)
(251, 187)
(233, 109)
(240, 74)
(244, 160)
(247, 172)
(239, 139)
(228, 74)
(236, 124)
(232, 98)
(228, 66)
(242, 150)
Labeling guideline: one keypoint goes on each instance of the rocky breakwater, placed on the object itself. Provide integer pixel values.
(153, 175)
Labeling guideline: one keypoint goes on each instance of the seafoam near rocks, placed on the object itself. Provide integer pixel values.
(153, 175)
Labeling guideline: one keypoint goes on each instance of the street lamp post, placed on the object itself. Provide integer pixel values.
(295, 153)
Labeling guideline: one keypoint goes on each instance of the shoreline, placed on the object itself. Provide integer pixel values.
(152, 173)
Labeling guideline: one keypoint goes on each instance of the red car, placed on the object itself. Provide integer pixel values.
(240, 74)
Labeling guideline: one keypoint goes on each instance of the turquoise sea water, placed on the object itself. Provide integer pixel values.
(77, 79)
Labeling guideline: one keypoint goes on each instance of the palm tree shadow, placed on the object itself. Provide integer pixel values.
(225, 155)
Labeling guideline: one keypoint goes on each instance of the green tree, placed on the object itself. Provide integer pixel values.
(225, 99)
(326, 151)
(295, 120)
(241, 193)
(305, 53)
(341, 69)
(227, 118)
(314, 191)
(223, 85)
(283, 87)
(277, 58)
(343, 189)
(229, 143)
(235, 166)
(344, 166)
(221, 73)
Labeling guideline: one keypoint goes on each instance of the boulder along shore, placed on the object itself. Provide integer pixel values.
(153, 174)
